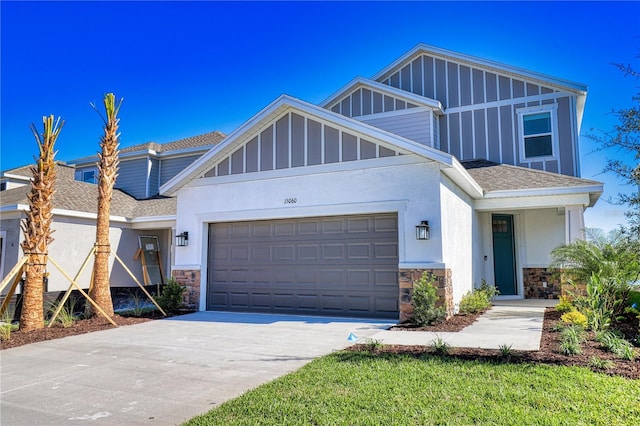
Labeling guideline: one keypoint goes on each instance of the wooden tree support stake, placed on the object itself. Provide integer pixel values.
(68, 292)
(17, 271)
(138, 282)
(89, 299)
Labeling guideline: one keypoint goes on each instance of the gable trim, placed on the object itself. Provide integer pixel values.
(361, 82)
(276, 109)
(485, 63)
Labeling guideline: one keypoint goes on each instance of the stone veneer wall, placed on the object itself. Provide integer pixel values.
(444, 290)
(191, 279)
(534, 283)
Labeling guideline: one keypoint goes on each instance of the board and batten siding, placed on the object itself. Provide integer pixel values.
(481, 105)
(294, 140)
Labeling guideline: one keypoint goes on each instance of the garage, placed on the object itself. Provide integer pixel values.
(338, 265)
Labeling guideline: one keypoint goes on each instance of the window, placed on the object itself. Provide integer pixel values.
(537, 133)
(87, 175)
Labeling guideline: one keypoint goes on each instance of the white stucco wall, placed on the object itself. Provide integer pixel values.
(405, 185)
(544, 230)
(457, 237)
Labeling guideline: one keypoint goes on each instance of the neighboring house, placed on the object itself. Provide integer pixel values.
(136, 209)
(74, 219)
(146, 167)
(311, 209)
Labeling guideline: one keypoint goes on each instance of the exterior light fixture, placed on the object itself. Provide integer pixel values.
(182, 240)
(422, 231)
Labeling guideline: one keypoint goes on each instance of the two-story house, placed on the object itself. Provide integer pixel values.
(441, 162)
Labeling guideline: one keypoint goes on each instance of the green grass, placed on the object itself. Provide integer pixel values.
(365, 389)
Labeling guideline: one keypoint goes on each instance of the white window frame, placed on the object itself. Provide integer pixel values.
(555, 149)
(79, 175)
(3, 251)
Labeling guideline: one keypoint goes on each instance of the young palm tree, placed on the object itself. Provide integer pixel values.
(37, 225)
(108, 171)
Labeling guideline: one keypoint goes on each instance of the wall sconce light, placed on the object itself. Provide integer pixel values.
(422, 231)
(182, 240)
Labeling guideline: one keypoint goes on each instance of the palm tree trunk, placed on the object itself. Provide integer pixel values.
(108, 172)
(37, 225)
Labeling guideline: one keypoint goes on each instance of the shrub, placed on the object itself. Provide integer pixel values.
(574, 317)
(505, 351)
(5, 331)
(612, 342)
(565, 305)
(425, 311)
(170, 299)
(66, 317)
(478, 300)
(372, 345)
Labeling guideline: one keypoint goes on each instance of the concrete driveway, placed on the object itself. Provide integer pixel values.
(162, 372)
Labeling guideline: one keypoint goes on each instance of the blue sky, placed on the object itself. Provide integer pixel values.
(186, 68)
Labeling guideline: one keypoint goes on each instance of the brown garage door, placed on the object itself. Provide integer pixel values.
(343, 265)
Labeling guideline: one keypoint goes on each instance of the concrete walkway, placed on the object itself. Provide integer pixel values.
(510, 322)
(161, 372)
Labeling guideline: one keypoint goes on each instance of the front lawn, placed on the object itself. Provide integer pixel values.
(374, 389)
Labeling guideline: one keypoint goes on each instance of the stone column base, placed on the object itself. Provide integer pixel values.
(444, 290)
(541, 283)
(191, 279)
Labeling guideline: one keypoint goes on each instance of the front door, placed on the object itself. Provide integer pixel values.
(504, 264)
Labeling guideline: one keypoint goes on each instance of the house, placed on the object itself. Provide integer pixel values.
(442, 162)
(321, 209)
(136, 209)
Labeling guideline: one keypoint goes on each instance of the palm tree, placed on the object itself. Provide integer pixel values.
(37, 225)
(108, 172)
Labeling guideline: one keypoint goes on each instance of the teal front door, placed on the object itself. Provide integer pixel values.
(504, 259)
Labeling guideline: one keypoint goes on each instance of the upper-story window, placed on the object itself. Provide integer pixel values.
(87, 175)
(538, 138)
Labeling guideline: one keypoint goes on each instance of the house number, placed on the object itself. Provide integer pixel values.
(290, 200)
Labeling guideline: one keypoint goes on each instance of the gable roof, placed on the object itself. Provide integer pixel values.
(507, 180)
(422, 48)
(359, 82)
(82, 197)
(286, 103)
(203, 141)
(579, 89)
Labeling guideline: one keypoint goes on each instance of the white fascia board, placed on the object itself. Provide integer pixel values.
(16, 177)
(532, 202)
(393, 91)
(87, 215)
(184, 151)
(586, 189)
(421, 265)
(498, 66)
(280, 105)
(458, 174)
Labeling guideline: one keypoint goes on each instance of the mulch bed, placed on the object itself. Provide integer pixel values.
(548, 353)
(19, 338)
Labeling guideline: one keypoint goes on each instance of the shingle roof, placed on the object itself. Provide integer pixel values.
(20, 171)
(83, 197)
(503, 177)
(207, 139)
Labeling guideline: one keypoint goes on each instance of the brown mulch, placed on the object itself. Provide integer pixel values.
(548, 353)
(19, 338)
(452, 325)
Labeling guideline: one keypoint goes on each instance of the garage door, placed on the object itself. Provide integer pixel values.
(344, 265)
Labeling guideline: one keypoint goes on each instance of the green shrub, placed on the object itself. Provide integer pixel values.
(565, 305)
(574, 317)
(613, 342)
(372, 345)
(67, 316)
(5, 331)
(505, 351)
(170, 299)
(424, 300)
(600, 364)
(477, 300)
